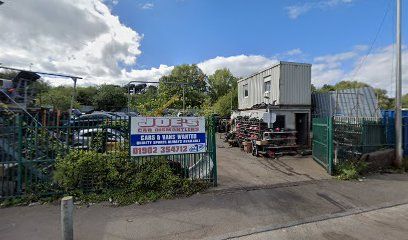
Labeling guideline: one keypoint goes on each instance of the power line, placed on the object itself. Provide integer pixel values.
(373, 42)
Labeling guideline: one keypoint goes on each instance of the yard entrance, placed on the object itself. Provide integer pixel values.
(237, 169)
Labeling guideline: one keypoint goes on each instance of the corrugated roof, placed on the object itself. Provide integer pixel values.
(358, 102)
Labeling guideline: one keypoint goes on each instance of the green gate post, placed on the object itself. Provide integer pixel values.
(19, 152)
(214, 149)
(330, 145)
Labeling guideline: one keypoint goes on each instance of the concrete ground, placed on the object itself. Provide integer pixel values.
(228, 213)
(385, 223)
(239, 169)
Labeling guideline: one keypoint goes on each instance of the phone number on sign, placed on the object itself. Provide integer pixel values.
(159, 150)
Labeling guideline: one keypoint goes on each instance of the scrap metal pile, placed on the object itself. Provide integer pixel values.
(252, 135)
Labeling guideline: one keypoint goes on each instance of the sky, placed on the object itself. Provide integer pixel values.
(116, 41)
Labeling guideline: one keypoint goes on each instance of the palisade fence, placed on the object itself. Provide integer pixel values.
(340, 139)
(355, 136)
(30, 144)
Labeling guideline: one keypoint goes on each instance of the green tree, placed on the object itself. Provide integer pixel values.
(313, 88)
(220, 83)
(349, 84)
(384, 102)
(404, 101)
(110, 98)
(145, 100)
(8, 74)
(40, 88)
(223, 106)
(195, 88)
(58, 98)
(326, 88)
(85, 95)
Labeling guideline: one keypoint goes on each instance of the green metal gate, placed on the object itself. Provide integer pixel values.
(322, 144)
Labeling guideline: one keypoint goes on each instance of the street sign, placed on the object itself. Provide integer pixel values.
(167, 135)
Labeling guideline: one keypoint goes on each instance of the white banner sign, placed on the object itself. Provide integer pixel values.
(167, 135)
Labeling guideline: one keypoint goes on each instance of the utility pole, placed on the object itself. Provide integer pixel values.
(398, 93)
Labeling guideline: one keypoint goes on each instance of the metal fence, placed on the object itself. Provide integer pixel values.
(30, 144)
(340, 139)
(355, 136)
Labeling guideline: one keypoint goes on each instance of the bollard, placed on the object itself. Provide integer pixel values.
(67, 207)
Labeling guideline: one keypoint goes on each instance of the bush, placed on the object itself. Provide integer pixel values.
(350, 170)
(112, 176)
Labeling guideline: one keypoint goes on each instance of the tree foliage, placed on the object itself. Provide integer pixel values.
(110, 98)
(194, 88)
(220, 83)
(58, 98)
(145, 100)
(85, 95)
(224, 104)
(8, 74)
(40, 88)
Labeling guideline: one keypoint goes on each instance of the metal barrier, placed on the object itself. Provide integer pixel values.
(340, 139)
(30, 144)
(389, 122)
(322, 145)
(355, 136)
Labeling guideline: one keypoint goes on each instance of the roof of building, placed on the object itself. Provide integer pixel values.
(358, 102)
(272, 66)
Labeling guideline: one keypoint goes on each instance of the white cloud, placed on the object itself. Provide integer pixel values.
(152, 75)
(78, 37)
(83, 38)
(294, 52)
(294, 11)
(376, 69)
(240, 65)
(146, 6)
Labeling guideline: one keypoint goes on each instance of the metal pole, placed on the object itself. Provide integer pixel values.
(232, 95)
(184, 102)
(398, 93)
(73, 97)
(25, 94)
(67, 222)
(70, 109)
(129, 98)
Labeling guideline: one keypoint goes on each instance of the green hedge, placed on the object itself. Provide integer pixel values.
(93, 176)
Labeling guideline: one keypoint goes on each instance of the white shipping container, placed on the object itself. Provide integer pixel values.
(284, 83)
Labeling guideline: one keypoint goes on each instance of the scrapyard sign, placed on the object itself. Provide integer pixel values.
(167, 135)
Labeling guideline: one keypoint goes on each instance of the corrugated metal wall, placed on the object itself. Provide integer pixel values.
(295, 84)
(255, 88)
(290, 85)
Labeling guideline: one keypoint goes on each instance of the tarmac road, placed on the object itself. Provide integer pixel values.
(244, 212)
(383, 223)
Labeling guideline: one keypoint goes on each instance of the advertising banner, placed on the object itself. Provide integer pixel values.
(167, 135)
